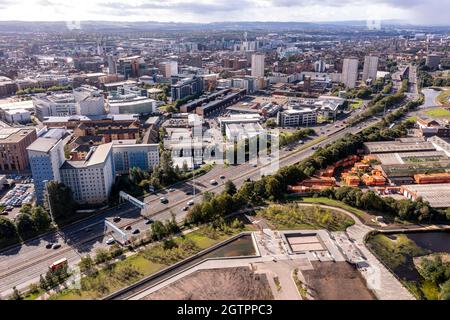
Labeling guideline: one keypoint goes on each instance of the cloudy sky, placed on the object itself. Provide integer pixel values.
(416, 11)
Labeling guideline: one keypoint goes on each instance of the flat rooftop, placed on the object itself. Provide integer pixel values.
(398, 146)
(14, 135)
(438, 195)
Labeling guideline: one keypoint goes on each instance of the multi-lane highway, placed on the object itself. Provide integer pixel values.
(22, 265)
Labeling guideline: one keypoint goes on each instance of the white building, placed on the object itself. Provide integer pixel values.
(89, 101)
(350, 72)
(370, 68)
(258, 65)
(17, 116)
(91, 179)
(297, 117)
(55, 105)
(130, 104)
(320, 66)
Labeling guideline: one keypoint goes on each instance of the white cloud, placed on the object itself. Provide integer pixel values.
(222, 10)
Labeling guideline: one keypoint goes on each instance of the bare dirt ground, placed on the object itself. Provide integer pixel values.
(217, 284)
(336, 281)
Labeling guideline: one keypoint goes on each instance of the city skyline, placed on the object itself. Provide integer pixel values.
(206, 11)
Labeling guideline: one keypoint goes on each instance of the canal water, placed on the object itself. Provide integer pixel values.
(432, 242)
(240, 247)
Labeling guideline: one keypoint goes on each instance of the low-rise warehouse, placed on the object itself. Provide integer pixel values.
(438, 195)
(398, 146)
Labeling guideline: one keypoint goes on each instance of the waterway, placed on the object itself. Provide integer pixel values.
(430, 242)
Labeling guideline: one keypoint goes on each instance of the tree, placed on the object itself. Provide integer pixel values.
(137, 175)
(230, 188)
(41, 218)
(159, 230)
(445, 290)
(43, 283)
(86, 264)
(61, 200)
(271, 124)
(16, 295)
(116, 251)
(25, 225)
(8, 231)
(274, 188)
(102, 255)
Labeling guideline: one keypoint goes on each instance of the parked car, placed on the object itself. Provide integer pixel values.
(49, 245)
(128, 228)
(117, 219)
(110, 241)
(137, 231)
(191, 203)
(56, 246)
(149, 221)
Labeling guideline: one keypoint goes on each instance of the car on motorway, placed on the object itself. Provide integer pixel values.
(164, 200)
(191, 203)
(110, 241)
(56, 246)
(117, 219)
(137, 231)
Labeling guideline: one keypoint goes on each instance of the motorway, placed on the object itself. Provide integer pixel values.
(22, 265)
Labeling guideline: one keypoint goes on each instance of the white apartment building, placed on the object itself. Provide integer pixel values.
(91, 179)
(350, 72)
(258, 65)
(370, 68)
(130, 104)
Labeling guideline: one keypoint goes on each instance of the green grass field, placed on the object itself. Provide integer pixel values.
(438, 113)
(443, 97)
(356, 105)
(335, 203)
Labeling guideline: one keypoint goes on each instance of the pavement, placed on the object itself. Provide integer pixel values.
(22, 265)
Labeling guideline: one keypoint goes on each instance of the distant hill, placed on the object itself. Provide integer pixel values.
(109, 26)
